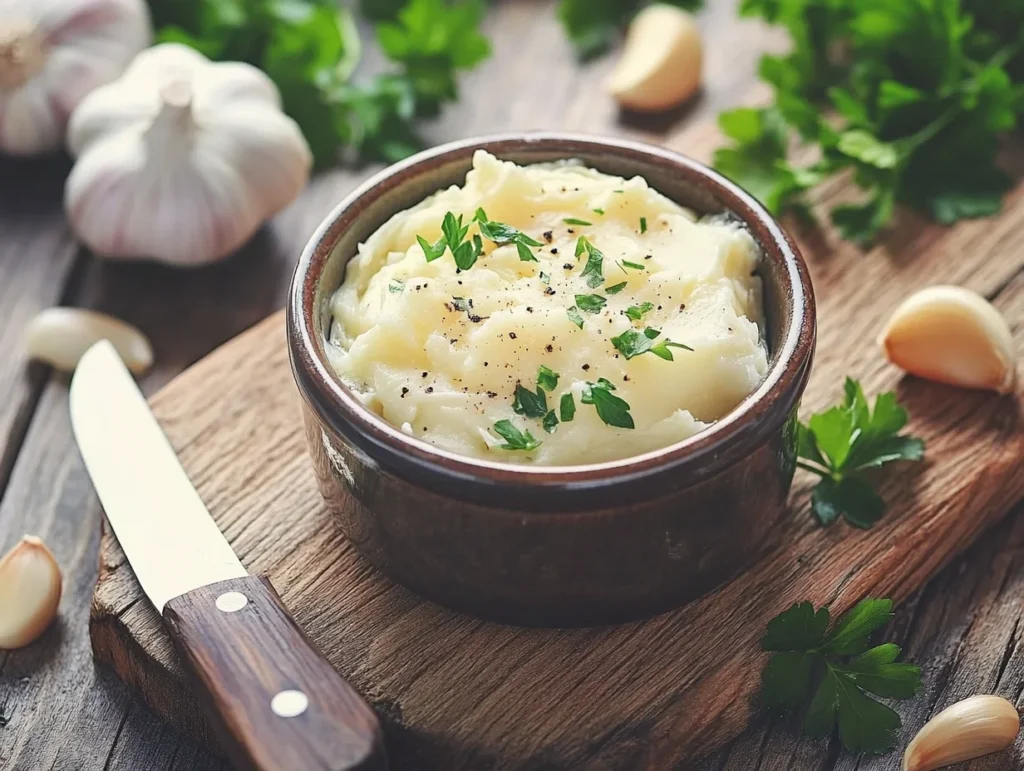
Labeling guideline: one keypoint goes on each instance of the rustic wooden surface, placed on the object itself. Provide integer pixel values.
(57, 711)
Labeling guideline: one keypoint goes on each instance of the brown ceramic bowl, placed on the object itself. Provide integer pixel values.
(554, 546)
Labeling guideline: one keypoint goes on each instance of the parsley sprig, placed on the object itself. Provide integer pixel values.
(613, 410)
(514, 438)
(842, 669)
(453, 237)
(912, 97)
(502, 234)
(840, 444)
(310, 48)
(593, 270)
(632, 343)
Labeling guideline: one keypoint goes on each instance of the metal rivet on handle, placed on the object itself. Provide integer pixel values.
(289, 703)
(229, 602)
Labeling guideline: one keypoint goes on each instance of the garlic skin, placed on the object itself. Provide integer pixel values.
(30, 588)
(966, 730)
(181, 160)
(52, 54)
(952, 335)
(661, 61)
(61, 336)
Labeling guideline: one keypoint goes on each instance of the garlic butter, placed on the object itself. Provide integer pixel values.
(595, 319)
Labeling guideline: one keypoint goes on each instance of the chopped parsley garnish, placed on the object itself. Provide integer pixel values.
(591, 303)
(546, 378)
(467, 253)
(615, 289)
(632, 343)
(633, 265)
(598, 211)
(840, 444)
(432, 251)
(454, 231)
(575, 221)
(514, 438)
(610, 408)
(550, 422)
(529, 403)
(567, 408)
(592, 271)
(462, 304)
(575, 316)
(636, 312)
(841, 669)
(643, 224)
(396, 286)
(545, 278)
(502, 234)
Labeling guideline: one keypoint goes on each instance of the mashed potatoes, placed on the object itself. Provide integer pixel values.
(492, 361)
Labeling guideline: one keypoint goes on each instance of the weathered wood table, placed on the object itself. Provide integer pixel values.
(58, 711)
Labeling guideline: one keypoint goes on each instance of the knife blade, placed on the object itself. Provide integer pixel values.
(276, 703)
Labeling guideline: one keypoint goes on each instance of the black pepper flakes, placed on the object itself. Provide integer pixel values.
(511, 335)
(424, 374)
(430, 389)
(549, 291)
(625, 378)
(549, 348)
(571, 231)
(586, 367)
(554, 250)
(568, 266)
(549, 236)
(492, 395)
(404, 391)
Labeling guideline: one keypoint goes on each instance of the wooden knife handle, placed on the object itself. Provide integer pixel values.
(275, 701)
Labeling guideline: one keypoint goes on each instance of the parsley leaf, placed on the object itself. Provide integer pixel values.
(616, 288)
(503, 234)
(575, 316)
(840, 444)
(633, 265)
(550, 422)
(636, 312)
(592, 271)
(591, 303)
(547, 379)
(632, 343)
(643, 225)
(514, 438)
(529, 403)
(610, 408)
(841, 668)
(396, 286)
(567, 408)
(575, 221)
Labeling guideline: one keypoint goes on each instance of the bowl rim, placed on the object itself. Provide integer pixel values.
(704, 454)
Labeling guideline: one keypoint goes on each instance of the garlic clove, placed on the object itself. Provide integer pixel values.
(30, 588)
(661, 61)
(966, 730)
(60, 336)
(952, 335)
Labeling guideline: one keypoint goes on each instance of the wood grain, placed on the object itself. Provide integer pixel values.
(462, 694)
(59, 712)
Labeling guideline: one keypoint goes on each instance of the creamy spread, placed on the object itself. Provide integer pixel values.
(565, 339)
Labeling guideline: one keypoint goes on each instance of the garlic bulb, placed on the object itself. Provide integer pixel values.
(181, 159)
(30, 588)
(53, 53)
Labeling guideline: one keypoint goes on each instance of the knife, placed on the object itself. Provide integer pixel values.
(275, 702)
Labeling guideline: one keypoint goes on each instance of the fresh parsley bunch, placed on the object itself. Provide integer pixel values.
(593, 25)
(310, 49)
(910, 96)
(840, 444)
(842, 669)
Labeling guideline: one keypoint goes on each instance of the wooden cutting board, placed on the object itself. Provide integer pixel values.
(460, 694)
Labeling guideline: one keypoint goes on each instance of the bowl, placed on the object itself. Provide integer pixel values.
(567, 545)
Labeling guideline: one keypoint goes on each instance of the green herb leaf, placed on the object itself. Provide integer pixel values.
(528, 403)
(842, 442)
(514, 438)
(461, 304)
(396, 286)
(525, 255)
(592, 271)
(637, 312)
(567, 408)
(632, 343)
(575, 221)
(431, 252)
(598, 211)
(453, 230)
(805, 652)
(610, 408)
(616, 288)
(547, 379)
(550, 422)
(545, 278)
(633, 265)
(643, 224)
(590, 303)
(575, 316)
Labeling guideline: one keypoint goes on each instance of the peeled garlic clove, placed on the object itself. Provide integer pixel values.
(952, 335)
(60, 336)
(661, 61)
(966, 730)
(30, 586)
